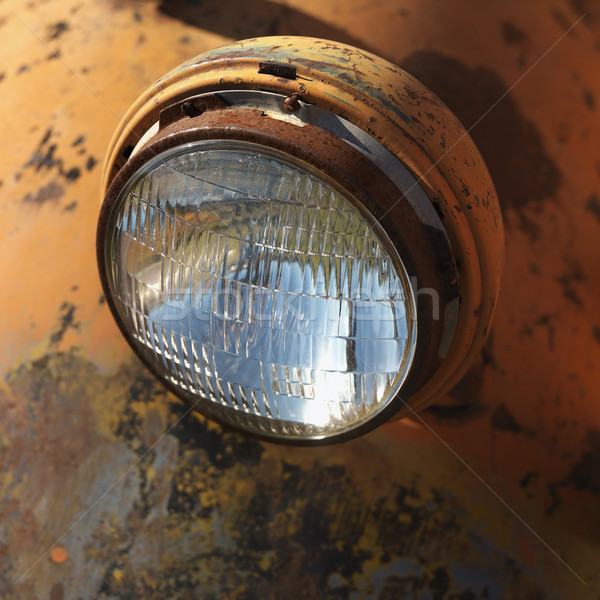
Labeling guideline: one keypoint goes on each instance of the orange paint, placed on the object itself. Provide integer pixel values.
(58, 555)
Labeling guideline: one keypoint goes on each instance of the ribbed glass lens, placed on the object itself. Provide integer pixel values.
(260, 290)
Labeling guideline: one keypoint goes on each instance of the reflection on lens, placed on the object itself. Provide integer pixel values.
(260, 290)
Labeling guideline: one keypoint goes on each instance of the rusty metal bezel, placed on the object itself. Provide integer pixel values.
(424, 250)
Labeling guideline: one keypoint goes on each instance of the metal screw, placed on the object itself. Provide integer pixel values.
(292, 103)
(193, 108)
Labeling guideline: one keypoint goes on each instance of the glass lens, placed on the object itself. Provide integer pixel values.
(262, 291)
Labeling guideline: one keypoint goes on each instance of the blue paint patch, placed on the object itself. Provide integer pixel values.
(403, 566)
(335, 580)
(400, 114)
(474, 578)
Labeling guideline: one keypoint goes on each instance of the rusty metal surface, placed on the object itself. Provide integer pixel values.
(104, 494)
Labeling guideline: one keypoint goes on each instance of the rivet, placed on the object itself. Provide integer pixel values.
(292, 103)
(193, 108)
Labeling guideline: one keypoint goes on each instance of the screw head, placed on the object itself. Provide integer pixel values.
(292, 103)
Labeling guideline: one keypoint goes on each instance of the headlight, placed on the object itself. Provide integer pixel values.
(285, 249)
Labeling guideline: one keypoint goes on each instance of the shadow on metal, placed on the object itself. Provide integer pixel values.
(240, 19)
(509, 143)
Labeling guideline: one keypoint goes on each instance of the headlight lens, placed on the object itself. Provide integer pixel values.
(265, 293)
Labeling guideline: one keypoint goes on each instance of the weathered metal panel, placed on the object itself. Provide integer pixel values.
(105, 492)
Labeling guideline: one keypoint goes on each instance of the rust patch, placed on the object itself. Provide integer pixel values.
(73, 174)
(588, 99)
(56, 30)
(50, 192)
(590, 10)
(563, 21)
(593, 206)
(44, 158)
(584, 475)
(56, 461)
(568, 280)
(527, 481)
(545, 320)
(229, 517)
(512, 34)
(67, 320)
(511, 146)
(504, 420)
(57, 592)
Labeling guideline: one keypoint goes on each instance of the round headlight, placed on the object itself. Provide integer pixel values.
(276, 262)
(260, 289)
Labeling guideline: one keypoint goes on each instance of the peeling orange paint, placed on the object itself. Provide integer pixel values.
(58, 555)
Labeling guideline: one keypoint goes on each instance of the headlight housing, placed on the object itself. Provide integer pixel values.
(299, 239)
